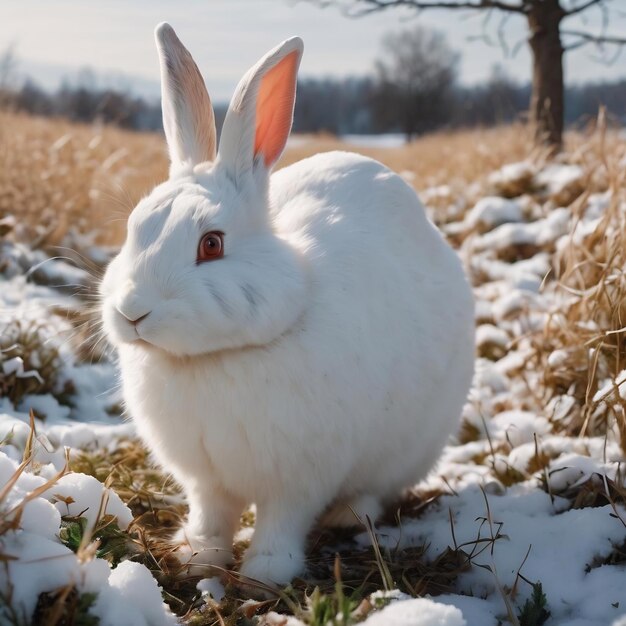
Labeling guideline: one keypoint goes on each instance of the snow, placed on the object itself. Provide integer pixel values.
(383, 140)
(16, 366)
(38, 564)
(557, 557)
(538, 233)
(38, 561)
(490, 334)
(91, 499)
(611, 386)
(493, 211)
(418, 612)
(59, 273)
(557, 177)
(512, 173)
(44, 405)
(518, 427)
(211, 588)
(132, 598)
(559, 181)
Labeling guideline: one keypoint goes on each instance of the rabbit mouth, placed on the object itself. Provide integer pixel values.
(142, 343)
(148, 333)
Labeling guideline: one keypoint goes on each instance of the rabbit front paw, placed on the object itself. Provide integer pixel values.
(198, 554)
(273, 569)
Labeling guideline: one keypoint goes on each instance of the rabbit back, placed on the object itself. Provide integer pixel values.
(390, 304)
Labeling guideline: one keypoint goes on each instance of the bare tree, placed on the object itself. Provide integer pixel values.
(415, 76)
(548, 38)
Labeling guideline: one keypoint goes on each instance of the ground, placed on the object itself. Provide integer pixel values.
(522, 522)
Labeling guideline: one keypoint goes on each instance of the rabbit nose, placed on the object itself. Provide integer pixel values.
(131, 305)
(135, 321)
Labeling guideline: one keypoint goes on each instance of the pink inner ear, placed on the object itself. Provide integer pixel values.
(274, 108)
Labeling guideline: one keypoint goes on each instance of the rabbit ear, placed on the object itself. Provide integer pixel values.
(188, 118)
(260, 114)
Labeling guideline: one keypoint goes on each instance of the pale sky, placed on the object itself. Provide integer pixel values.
(57, 38)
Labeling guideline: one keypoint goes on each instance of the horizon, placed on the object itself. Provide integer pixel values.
(46, 50)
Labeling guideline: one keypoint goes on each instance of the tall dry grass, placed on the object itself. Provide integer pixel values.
(583, 342)
(57, 177)
(457, 157)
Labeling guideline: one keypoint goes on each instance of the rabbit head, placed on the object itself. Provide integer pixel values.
(201, 268)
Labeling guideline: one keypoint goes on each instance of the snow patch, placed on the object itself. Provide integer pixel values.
(418, 612)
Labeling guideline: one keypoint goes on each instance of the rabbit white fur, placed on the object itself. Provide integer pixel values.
(322, 363)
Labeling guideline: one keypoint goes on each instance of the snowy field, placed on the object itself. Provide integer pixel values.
(382, 140)
(523, 522)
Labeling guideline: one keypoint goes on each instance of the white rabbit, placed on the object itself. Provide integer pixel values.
(302, 341)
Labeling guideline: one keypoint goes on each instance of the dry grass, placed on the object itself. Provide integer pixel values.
(444, 158)
(589, 327)
(57, 177)
(27, 343)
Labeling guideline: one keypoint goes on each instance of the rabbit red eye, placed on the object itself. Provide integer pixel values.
(211, 247)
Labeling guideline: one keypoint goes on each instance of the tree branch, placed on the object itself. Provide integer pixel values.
(372, 6)
(597, 39)
(582, 7)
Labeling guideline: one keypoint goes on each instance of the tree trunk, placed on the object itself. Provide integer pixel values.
(546, 105)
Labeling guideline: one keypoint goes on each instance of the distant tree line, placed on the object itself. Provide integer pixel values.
(81, 103)
(413, 89)
(356, 105)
